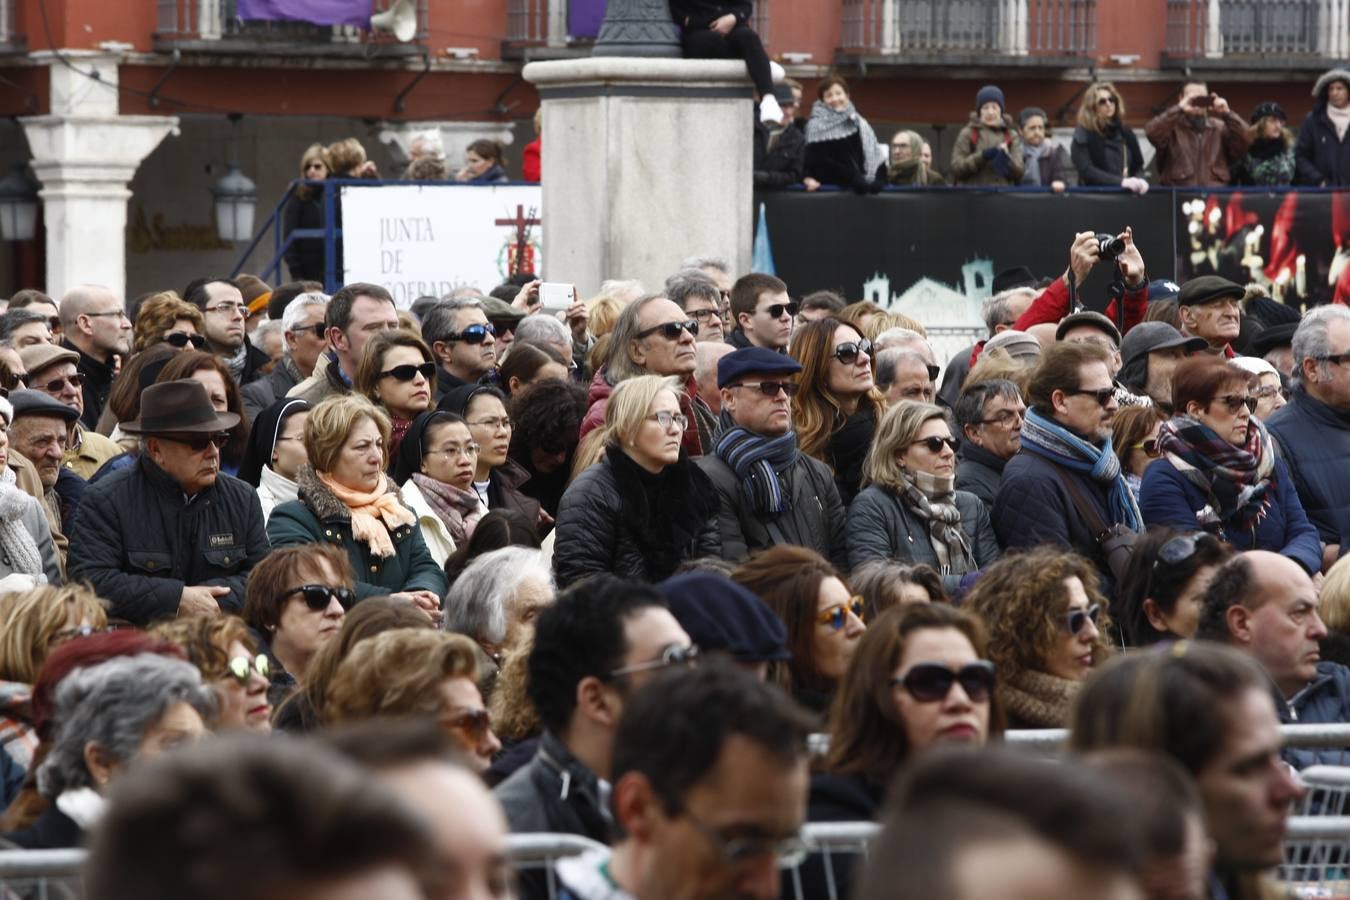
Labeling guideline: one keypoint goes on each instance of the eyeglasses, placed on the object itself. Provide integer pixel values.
(701, 314)
(935, 444)
(789, 852)
(836, 616)
(181, 339)
(318, 329)
(473, 334)
(56, 384)
(1269, 390)
(933, 372)
(1102, 396)
(1004, 417)
(476, 723)
(670, 330)
(1106, 101)
(1076, 619)
(408, 372)
(847, 352)
(1334, 358)
(1235, 402)
(54, 323)
(503, 423)
(316, 596)
(116, 312)
(770, 388)
(671, 655)
(776, 310)
(667, 419)
(227, 309)
(469, 450)
(197, 442)
(932, 682)
(1150, 447)
(70, 634)
(242, 668)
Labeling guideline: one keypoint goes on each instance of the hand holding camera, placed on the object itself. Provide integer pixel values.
(1090, 247)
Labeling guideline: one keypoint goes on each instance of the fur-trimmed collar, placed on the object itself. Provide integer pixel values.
(322, 501)
(1326, 79)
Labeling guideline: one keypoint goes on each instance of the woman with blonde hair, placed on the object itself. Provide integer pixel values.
(1269, 161)
(166, 318)
(1335, 611)
(304, 257)
(838, 407)
(1105, 151)
(640, 506)
(910, 510)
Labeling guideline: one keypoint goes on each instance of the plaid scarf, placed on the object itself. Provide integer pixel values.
(758, 462)
(828, 124)
(1235, 480)
(1047, 438)
(933, 499)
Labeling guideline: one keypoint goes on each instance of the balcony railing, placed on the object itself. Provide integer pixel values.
(1275, 31)
(543, 28)
(213, 26)
(932, 30)
(10, 39)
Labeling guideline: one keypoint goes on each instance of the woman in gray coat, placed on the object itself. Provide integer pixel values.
(909, 509)
(26, 546)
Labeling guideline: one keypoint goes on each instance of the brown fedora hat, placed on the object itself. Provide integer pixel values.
(172, 407)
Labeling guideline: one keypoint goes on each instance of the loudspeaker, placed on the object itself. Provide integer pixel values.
(400, 20)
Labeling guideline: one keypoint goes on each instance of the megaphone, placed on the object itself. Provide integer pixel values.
(400, 20)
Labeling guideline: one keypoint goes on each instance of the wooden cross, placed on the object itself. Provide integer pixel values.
(522, 223)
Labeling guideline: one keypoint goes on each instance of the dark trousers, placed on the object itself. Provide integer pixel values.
(740, 43)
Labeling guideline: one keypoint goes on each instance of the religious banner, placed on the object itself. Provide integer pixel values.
(426, 240)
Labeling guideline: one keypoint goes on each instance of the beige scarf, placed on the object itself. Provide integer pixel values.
(373, 514)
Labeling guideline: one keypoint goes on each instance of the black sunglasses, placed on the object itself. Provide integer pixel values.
(474, 334)
(318, 329)
(769, 388)
(197, 442)
(75, 379)
(316, 596)
(1235, 402)
(408, 372)
(504, 326)
(933, 373)
(181, 339)
(776, 311)
(935, 444)
(1077, 618)
(932, 682)
(847, 352)
(670, 330)
(1102, 396)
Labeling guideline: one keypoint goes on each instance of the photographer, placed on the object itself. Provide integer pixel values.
(1199, 140)
(1054, 303)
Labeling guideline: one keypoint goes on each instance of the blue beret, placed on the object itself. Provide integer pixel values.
(754, 360)
(720, 614)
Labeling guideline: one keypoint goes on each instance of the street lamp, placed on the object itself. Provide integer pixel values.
(235, 194)
(18, 205)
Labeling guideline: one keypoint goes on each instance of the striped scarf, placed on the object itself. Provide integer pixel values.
(757, 462)
(1237, 481)
(1047, 438)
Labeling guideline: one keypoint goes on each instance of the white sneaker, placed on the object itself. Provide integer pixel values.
(769, 110)
(776, 72)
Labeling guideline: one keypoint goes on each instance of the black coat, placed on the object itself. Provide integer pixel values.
(979, 471)
(1101, 158)
(98, 379)
(785, 162)
(842, 162)
(52, 830)
(304, 257)
(702, 13)
(617, 518)
(1315, 442)
(270, 388)
(138, 542)
(837, 798)
(1321, 157)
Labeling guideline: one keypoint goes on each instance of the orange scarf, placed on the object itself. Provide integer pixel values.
(373, 514)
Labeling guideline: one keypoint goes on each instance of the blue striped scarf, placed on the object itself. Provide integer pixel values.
(757, 460)
(1047, 438)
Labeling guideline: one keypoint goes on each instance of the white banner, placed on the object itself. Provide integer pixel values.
(418, 240)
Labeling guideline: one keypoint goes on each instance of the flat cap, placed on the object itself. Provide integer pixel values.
(754, 361)
(720, 614)
(1017, 344)
(500, 311)
(1207, 289)
(1146, 337)
(39, 356)
(35, 403)
(1088, 317)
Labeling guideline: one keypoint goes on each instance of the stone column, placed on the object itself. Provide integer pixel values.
(85, 155)
(645, 162)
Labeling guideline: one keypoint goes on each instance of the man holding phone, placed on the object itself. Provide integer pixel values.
(1198, 140)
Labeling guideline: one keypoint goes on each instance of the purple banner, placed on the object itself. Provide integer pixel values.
(317, 12)
(584, 17)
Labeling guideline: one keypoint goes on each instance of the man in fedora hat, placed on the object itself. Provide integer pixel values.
(170, 535)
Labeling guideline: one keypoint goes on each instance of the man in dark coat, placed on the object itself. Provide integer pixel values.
(1313, 428)
(990, 416)
(1322, 152)
(170, 535)
(779, 148)
(768, 491)
(96, 326)
(222, 304)
(305, 337)
(592, 649)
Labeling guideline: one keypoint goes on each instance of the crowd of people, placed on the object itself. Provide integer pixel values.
(617, 563)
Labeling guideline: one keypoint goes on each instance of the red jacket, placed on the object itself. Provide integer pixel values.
(530, 162)
(598, 397)
(1052, 304)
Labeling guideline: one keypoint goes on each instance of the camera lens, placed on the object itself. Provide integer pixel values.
(1109, 246)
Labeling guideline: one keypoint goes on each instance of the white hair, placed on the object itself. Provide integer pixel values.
(264, 331)
(1254, 366)
(706, 262)
(432, 143)
(295, 310)
(904, 338)
(477, 602)
(544, 329)
(1312, 339)
(620, 288)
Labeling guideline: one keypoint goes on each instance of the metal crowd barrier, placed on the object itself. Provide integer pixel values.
(41, 874)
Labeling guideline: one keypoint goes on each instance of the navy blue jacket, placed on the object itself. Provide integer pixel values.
(1315, 443)
(1168, 498)
(1319, 155)
(1326, 700)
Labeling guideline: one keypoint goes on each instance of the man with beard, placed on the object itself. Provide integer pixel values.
(222, 305)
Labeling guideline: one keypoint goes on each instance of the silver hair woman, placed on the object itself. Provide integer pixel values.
(106, 716)
(498, 594)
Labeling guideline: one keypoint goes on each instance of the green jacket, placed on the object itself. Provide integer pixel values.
(320, 516)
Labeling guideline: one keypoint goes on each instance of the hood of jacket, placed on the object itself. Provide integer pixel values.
(1319, 90)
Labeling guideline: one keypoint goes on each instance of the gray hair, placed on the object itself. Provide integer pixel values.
(544, 330)
(264, 330)
(619, 366)
(706, 262)
(1312, 340)
(295, 310)
(694, 283)
(477, 603)
(113, 705)
(904, 338)
(14, 319)
(440, 319)
(995, 310)
(465, 292)
(969, 409)
(432, 143)
(617, 287)
(889, 360)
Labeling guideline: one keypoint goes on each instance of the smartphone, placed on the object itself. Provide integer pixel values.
(555, 296)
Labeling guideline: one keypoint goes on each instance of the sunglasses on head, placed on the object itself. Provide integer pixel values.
(1076, 619)
(408, 372)
(242, 668)
(932, 682)
(1235, 402)
(769, 388)
(476, 723)
(198, 442)
(670, 330)
(316, 596)
(474, 334)
(671, 655)
(776, 311)
(935, 444)
(181, 339)
(847, 352)
(1102, 396)
(836, 616)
